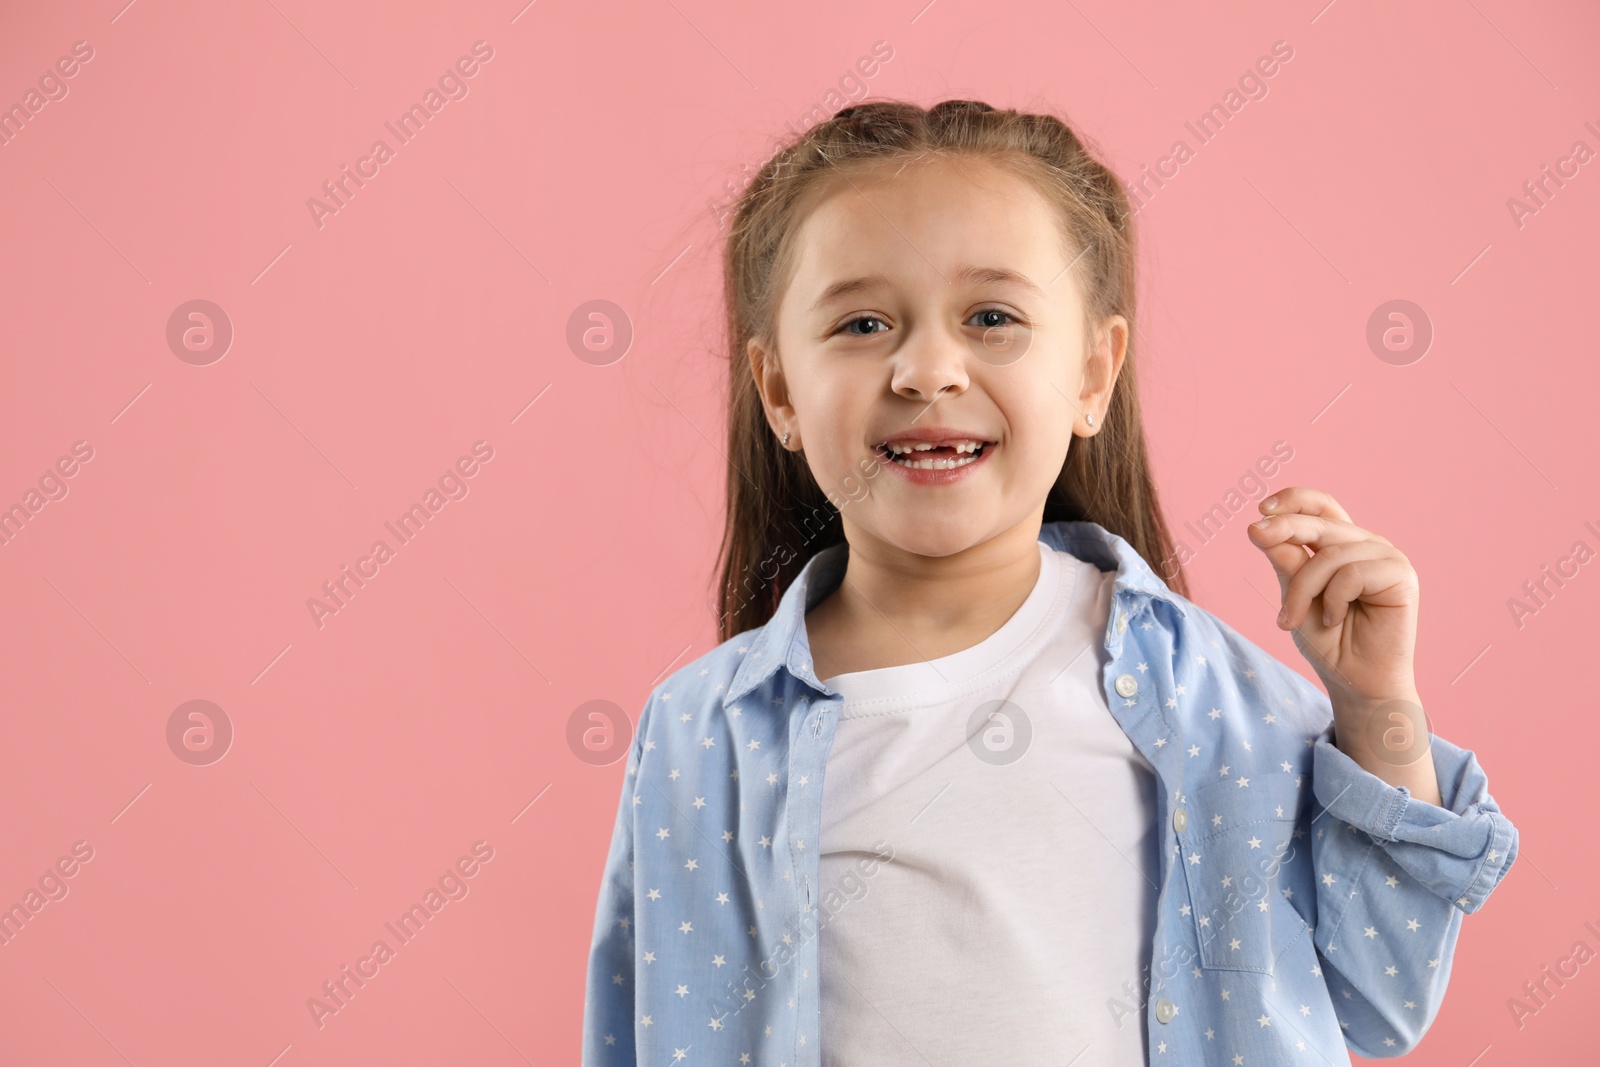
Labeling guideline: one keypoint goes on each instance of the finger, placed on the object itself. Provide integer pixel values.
(1305, 501)
(1313, 531)
(1286, 538)
(1286, 559)
(1375, 581)
(1313, 579)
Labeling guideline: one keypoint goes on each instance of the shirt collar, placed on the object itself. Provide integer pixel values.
(783, 641)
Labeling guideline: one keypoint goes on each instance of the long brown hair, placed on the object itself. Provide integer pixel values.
(778, 517)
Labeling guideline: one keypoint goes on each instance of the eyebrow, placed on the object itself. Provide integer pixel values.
(968, 273)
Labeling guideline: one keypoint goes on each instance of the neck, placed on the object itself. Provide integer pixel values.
(894, 606)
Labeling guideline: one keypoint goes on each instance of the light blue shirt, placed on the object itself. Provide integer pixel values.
(1304, 905)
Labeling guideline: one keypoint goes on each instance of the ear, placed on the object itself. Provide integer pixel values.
(767, 371)
(1102, 366)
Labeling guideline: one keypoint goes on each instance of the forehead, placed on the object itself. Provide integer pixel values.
(923, 220)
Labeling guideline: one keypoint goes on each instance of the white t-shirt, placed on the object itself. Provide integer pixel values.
(1013, 923)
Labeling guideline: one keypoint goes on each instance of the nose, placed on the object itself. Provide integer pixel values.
(930, 364)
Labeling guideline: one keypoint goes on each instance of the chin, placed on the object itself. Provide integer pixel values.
(937, 532)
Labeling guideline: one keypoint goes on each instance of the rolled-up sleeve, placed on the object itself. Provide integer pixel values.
(1460, 850)
(1395, 876)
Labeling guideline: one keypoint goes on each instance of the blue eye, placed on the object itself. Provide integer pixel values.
(995, 311)
(860, 318)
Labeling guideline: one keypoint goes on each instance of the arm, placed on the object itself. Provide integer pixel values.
(1394, 872)
(1394, 876)
(608, 1007)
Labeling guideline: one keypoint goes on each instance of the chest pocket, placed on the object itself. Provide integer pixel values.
(1237, 855)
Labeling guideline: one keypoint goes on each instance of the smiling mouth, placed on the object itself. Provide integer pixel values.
(934, 457)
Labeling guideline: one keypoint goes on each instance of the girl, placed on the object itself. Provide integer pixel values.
(969, 775)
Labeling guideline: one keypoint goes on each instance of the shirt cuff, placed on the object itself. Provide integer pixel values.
(1469, 844)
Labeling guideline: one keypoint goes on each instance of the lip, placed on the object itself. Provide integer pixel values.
(936, 436)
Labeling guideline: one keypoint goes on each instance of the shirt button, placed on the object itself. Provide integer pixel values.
(1127, 685)
(1165, 1010)
(1180, 820)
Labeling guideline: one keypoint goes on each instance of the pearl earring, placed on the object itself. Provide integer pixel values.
(786, 440)
(1091, 419)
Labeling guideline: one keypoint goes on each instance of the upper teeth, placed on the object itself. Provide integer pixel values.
(900, 449)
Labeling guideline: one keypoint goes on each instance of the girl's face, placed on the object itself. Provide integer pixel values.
(930, 302)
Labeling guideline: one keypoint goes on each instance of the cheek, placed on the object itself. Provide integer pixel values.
(1040, 400)
(833, 420)
(1040, 425)
(837, 409)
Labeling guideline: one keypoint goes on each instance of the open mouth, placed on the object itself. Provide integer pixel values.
(930, 457)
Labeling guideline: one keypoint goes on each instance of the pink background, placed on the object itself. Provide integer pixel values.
(585, 163)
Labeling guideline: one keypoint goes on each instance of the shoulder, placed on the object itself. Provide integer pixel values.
(698, 688)
(1240, 686)
(688, 721)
